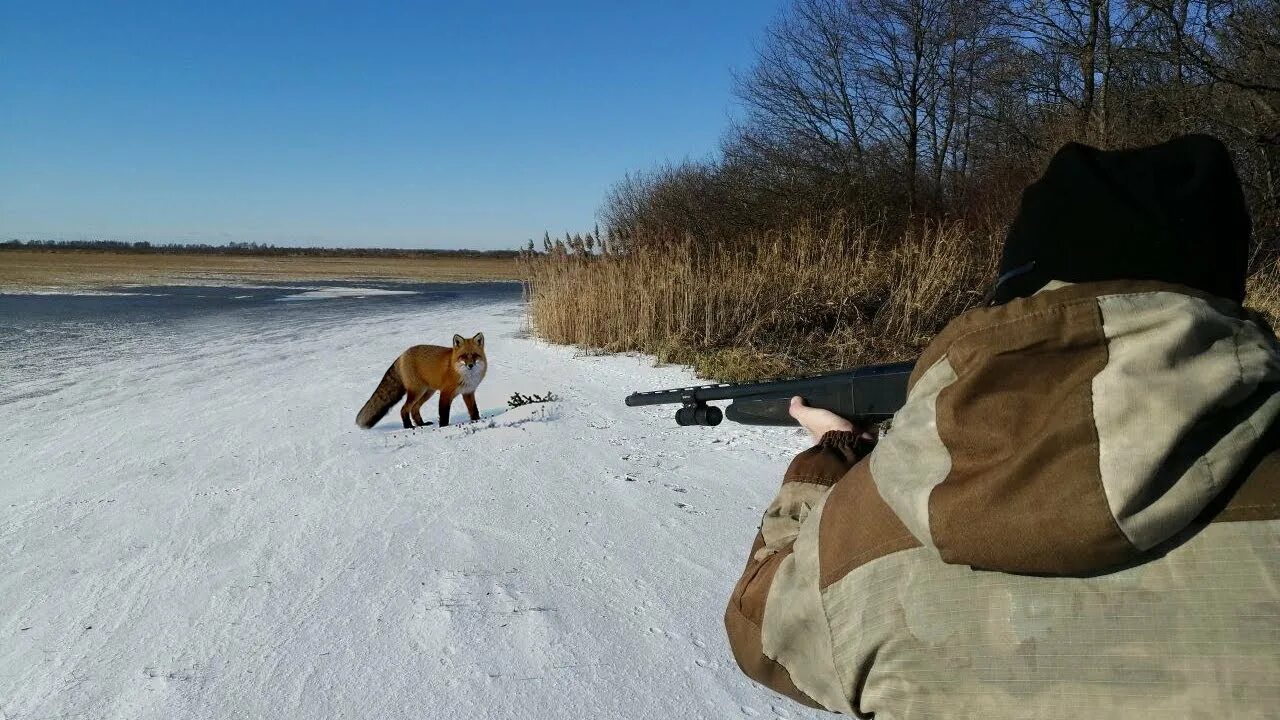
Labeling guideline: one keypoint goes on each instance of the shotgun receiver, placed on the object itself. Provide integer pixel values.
(868, 394)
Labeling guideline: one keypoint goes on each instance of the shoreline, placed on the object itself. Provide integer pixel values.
(25, 271)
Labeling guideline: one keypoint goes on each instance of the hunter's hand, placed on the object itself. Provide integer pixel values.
(816, 420)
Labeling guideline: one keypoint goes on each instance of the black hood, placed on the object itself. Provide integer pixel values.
(1173, 212)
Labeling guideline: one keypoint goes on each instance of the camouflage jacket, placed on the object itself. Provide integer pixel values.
(1074, 515)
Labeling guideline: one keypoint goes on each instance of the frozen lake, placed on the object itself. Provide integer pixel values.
(39, 333)
(192, 526)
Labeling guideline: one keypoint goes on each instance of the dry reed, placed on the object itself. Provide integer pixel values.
(798, 302)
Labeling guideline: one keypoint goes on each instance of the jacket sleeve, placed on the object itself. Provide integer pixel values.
(807, 480)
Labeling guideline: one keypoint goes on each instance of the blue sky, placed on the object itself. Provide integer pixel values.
(415, 124)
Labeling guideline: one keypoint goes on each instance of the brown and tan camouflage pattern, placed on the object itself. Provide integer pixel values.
(1076, 514)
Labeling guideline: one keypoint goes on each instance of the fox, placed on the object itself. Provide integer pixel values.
(423, 370)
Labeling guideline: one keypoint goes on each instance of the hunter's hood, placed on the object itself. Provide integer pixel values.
(1073, 430)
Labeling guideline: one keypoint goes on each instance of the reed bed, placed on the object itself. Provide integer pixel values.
(796, 302)
(803, 301)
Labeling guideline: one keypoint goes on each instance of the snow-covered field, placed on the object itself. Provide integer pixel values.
(191, 526)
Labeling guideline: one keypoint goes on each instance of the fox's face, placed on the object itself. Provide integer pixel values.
(468, 354)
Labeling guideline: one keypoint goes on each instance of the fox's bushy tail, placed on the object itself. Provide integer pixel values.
(388, 392)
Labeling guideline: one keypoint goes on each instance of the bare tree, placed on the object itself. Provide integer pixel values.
(887, 109)
(806, 108)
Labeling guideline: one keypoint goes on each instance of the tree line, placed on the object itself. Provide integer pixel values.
(246, 248)
(884, 113)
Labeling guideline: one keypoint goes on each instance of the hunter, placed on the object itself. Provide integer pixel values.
(1076, 514)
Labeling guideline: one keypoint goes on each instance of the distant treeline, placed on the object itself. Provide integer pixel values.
(890, 112)
(860, 200)
(243, 248)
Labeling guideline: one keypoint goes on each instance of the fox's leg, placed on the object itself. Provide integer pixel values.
(446, 399)
(415, 412)
(470, 400)
(410, 398)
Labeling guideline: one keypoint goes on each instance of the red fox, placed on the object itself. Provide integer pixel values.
(420, 372)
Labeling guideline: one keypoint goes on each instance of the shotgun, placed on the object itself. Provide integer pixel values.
(866, 395)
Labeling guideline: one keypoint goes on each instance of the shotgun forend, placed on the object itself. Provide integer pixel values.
(868, 394)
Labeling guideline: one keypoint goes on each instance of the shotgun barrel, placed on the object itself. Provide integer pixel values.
(867, 394)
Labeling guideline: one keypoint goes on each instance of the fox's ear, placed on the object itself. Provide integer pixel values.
(457, 340)
(479, 338)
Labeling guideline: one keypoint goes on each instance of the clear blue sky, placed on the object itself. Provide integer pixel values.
(414, 124)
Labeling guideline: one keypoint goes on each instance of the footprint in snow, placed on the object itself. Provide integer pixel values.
(178, 675)
(484, 616)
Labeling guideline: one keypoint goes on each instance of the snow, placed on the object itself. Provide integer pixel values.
(335, 293)
(193, 527)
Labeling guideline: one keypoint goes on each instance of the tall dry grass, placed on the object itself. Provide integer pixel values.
(797, 302)
(1264, 293)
